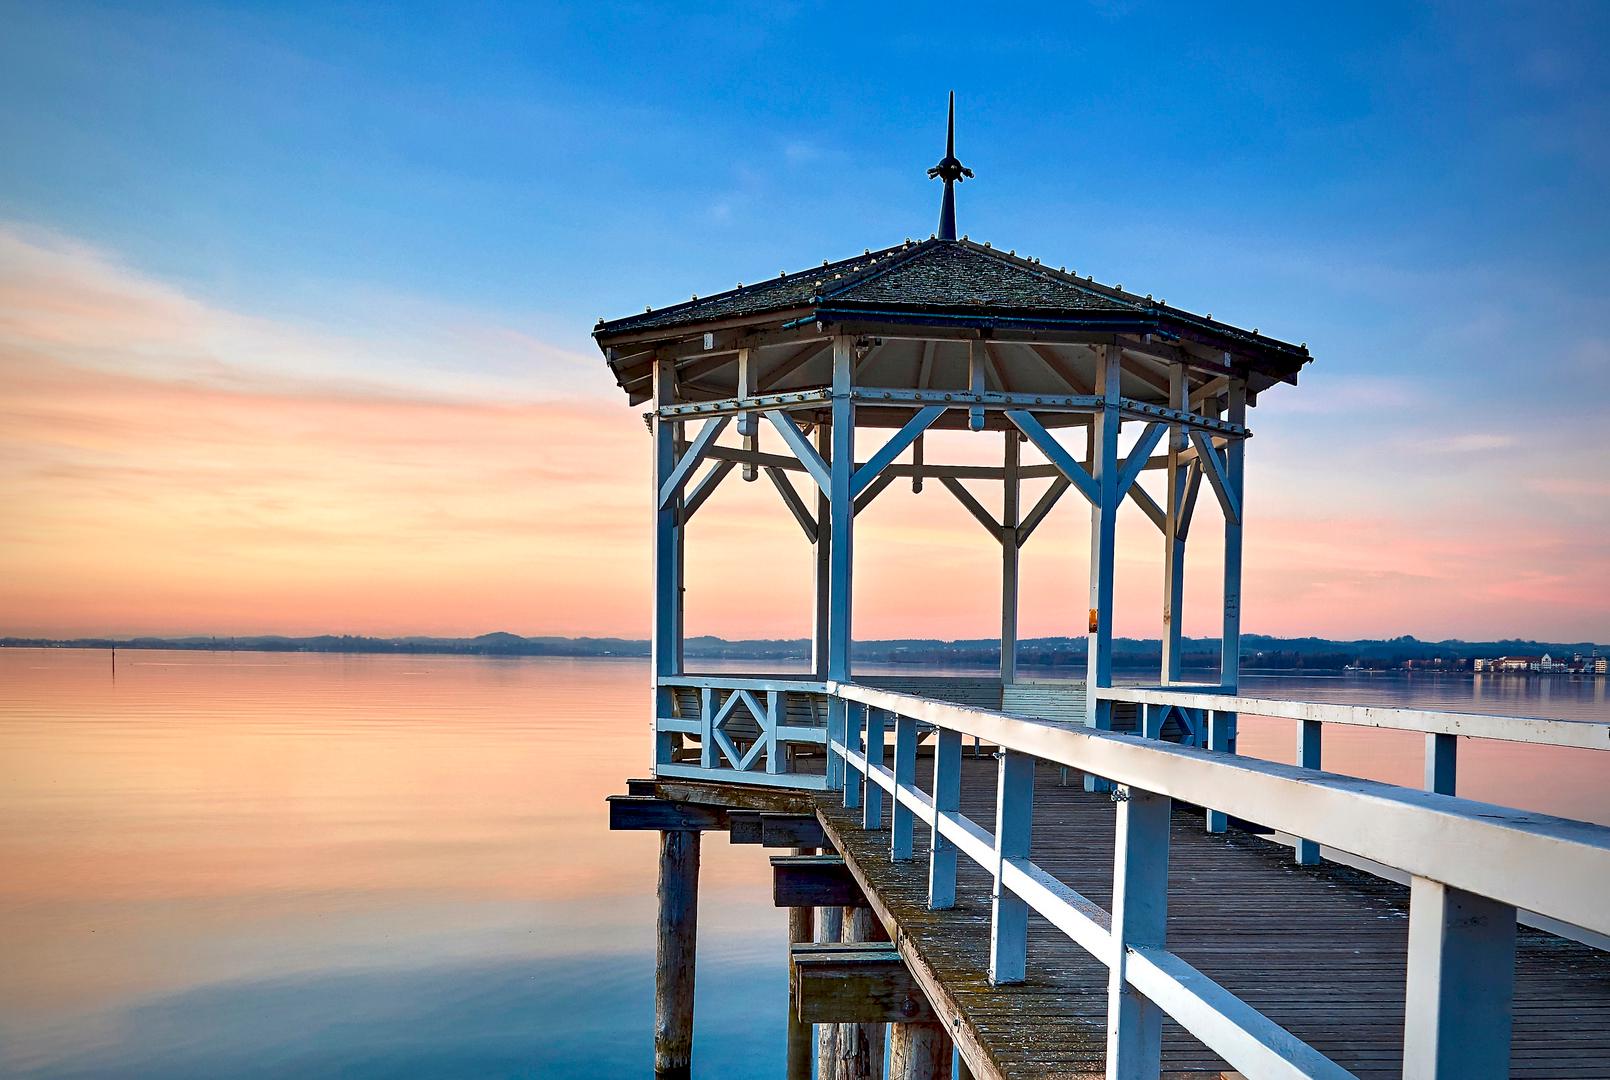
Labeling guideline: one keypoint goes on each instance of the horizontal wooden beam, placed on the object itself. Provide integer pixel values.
(635, 812)
(641, 786)
(743, 826)
(776, 830)
(813, 881)
(791, 830)
(854, 983)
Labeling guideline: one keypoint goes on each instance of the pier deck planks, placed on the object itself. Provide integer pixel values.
(1320, 950)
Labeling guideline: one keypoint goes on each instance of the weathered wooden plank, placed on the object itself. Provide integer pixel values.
(852, 982)
(814, 881)
(743, 826)
(791, 830)
(629, 812)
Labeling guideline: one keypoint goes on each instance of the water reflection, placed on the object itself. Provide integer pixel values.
(315, 865)
(231, 864)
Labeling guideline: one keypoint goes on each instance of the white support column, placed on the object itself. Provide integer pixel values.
(1230, 641)
(1009, 916)
(748, 423)
(947, 799)
(1103, 545)
(1309, 736)
(841, 524)
(663, 650)
(975, 382)
(1139, 918)
(1010, 553)
(1173, 534)
(1235, 473)
(1220, 726)
(902, 823)
(679, 536)
(1459, 1003)
(822, 575)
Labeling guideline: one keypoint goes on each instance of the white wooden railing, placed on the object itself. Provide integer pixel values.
(1470, 865)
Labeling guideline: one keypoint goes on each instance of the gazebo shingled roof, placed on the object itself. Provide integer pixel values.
(958, 283)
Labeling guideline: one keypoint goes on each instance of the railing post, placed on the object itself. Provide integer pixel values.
(1309, 733)
(707, 729)
(1459, 1003)
(1009, 916)
(901, 821)
(1218, 738)
(871, 793)
(1139, 917)
(1152, 718)
(775, 711)
(838, 711)
(947, 799)
(854, 715)
(1442, 762)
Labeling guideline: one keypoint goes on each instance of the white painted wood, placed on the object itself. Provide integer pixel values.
(976, 358)
(1552, 866)
(1585, 734)
(1103, 547)
(1139, 919)
(896, 445)
(1173, 539)
(1459, 1002)
(1309, 742)
(667, 586)
(1254, 1045)
(822, 568)
(795, 504)
(1009, 914)
(1054, 452)
(1041, 508)
(803, 450)
(1218, 476)
(946, 800)
(704, 489)
(1010, 556)
(690, 459)
(901, 825)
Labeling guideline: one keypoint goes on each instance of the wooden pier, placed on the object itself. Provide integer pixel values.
(1100, 895)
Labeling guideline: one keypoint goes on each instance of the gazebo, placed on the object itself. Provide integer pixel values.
(852, 361)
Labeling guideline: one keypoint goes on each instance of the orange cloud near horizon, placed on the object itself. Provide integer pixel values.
(153, 483)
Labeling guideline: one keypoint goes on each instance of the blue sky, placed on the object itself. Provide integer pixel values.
(1415, 191)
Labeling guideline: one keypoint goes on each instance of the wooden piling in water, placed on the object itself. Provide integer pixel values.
(801, 928)
(829, 925)
(918, 1052)
(860, 1046)
(674, 953)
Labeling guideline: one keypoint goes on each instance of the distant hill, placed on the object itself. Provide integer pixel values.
(1258, 651)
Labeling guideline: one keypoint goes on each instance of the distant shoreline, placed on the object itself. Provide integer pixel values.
(1260, 653)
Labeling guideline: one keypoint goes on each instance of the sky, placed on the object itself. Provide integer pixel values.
(295, 300)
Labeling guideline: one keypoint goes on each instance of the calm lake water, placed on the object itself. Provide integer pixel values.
(359, 866)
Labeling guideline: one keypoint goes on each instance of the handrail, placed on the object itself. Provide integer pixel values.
(1471, 866)
(1582, 734)
(1549, 865)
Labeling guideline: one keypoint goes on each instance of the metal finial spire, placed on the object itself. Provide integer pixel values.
(949, 170)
